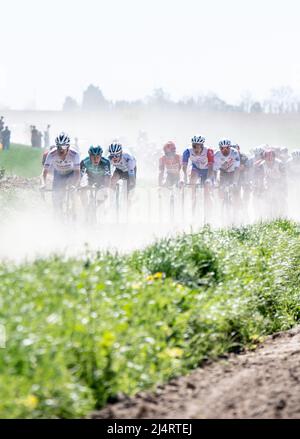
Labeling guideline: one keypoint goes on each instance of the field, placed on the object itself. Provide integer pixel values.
(81, 331)
(21, 160)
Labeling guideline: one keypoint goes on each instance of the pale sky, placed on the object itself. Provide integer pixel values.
(54, 48)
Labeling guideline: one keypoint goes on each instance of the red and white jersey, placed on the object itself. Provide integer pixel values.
(62, 166)
(199, 161)
(172, 164)
(227, 163)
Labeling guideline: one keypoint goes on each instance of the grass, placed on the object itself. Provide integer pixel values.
(21, 160)
(81, 331)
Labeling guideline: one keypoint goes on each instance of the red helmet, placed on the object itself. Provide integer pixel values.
(169, 147)
(269, 155)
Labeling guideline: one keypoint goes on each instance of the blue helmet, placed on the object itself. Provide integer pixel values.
(95, 150)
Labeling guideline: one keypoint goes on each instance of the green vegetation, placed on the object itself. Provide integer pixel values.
(80, 331)
(21, 160)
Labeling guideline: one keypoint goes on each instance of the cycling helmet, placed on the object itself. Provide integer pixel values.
(296, 154)
(284, 150)
(115, 149)
(169, 147)
(258, 152)
(269, 155)
(198, 140)
(224, 143)
(95, 150)
(62, 141)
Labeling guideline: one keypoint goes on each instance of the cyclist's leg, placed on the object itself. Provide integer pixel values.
(195, 174)
(59, 186)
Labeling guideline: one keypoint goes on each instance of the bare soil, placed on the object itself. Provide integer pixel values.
(264, 383)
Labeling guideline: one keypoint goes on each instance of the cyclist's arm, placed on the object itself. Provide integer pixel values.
(44, 175)
(210, 165)
(236, 171)
(161, 168)
(185, 160)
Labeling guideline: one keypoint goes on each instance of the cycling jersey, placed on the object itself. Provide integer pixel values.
(62, 166)
(272, 172)
(126, 164)
(172, 164)
(226, 163)
(199, 161)
(95, 173)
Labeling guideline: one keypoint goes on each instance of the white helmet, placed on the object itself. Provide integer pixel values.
(224, 142)
(62, 141)
(198, 140)
(115, 149)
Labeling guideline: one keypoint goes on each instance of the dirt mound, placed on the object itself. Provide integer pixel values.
(264, 383)
(15, 182)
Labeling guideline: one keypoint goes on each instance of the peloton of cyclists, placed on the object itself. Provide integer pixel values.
(227, 166)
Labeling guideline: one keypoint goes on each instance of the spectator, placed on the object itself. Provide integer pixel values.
(6, 138)
(47, 137)
(39, 139)
(34, 136)
(1, 123)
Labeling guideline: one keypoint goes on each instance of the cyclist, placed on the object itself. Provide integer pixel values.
(124, 164)
(244, 179)
(271, 181)
(96, 167)
(95, 175)
(171, 164)
(202, 159)
(284, 155)
(65, 163)
(294, 165)
(227, 161)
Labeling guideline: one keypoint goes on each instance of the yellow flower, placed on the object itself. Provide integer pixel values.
(174, 352)
(155, 276)
(136, 286)
(30, 402)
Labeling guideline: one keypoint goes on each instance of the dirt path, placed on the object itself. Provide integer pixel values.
(264, 383)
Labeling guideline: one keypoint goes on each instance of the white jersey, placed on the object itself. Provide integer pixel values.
(226, 163)
(62, 167)
(126, 164)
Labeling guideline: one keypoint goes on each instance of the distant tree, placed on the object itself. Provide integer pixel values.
(282, 100)
(214, 103)
(70, 104)
(159, 97)
(93, 99)
(256, 107)
(246, 101)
